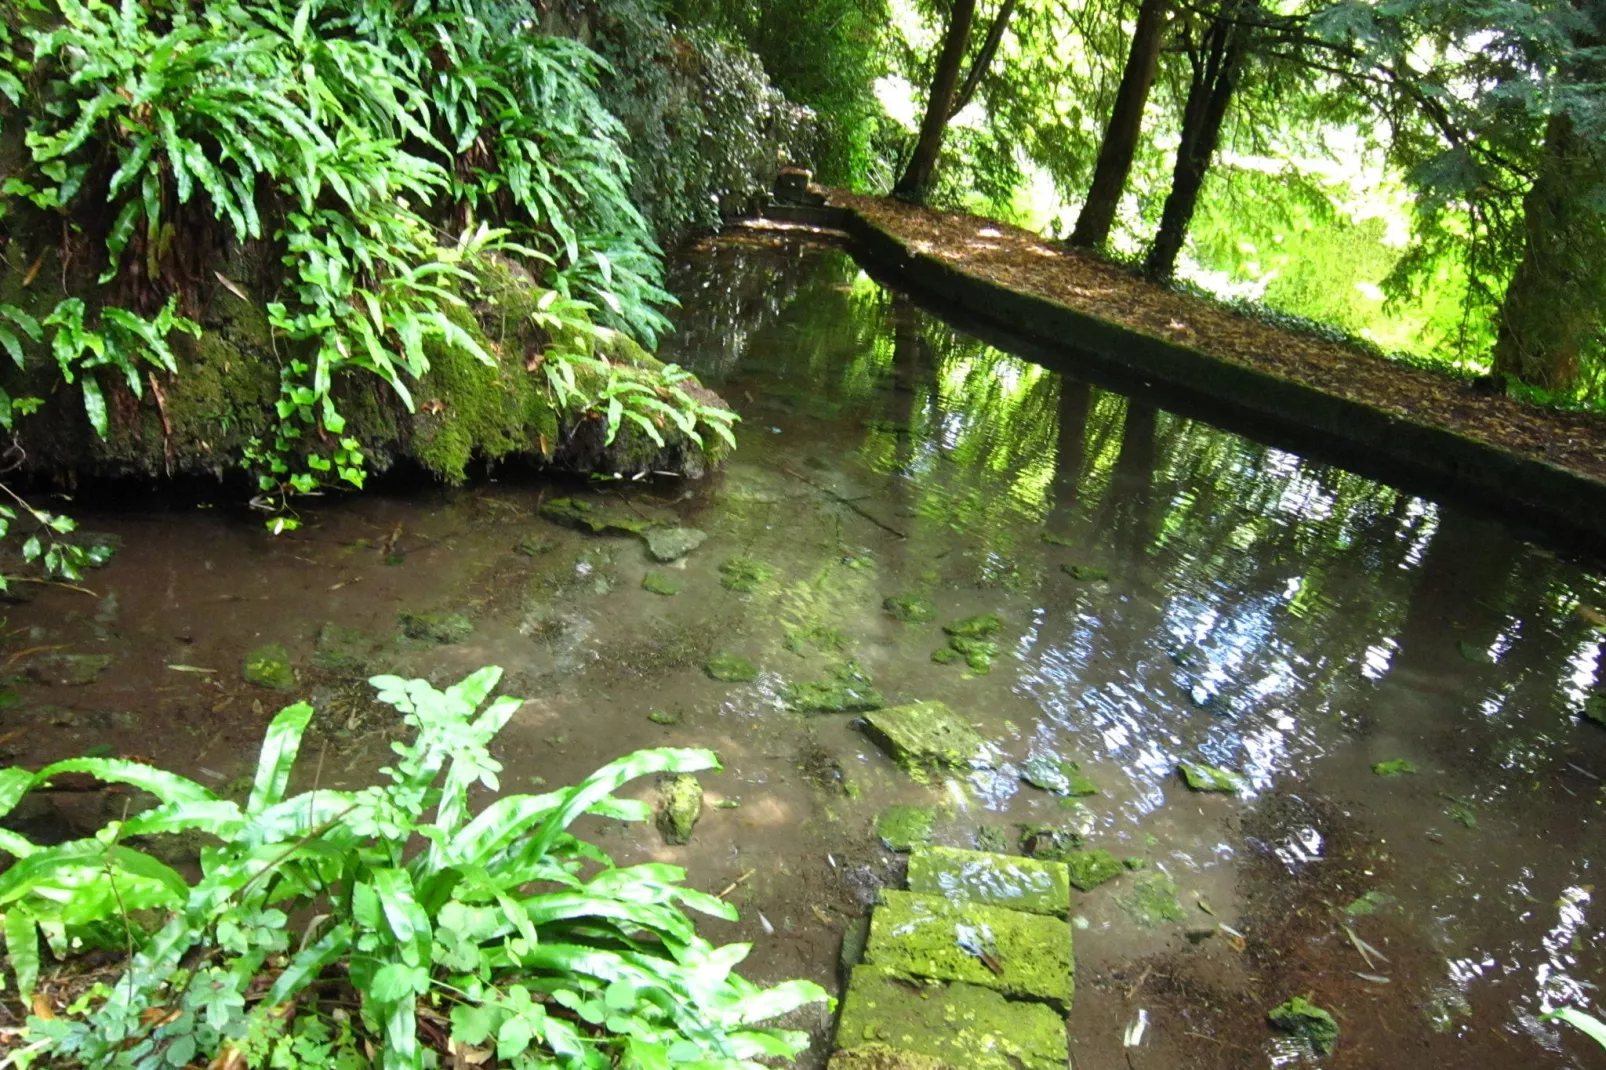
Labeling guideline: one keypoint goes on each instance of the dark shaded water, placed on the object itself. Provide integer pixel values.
(1261, 611)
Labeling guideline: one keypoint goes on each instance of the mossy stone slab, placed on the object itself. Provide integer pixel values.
(903, 828)
(1089, 869)
(881, 1057)
(959, 1024)
(596, 518)
(926, 736)
(930, 936)
(992, 879)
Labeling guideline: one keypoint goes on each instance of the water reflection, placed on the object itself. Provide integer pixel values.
(1262, 611)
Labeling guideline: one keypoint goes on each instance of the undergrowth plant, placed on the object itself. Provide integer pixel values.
(380, 150)
(389, 925)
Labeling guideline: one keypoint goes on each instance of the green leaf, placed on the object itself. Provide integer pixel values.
(1592, 1026)
(167, 787)
(397, 981)
(279, 749)
(95, 405)
(22, 950)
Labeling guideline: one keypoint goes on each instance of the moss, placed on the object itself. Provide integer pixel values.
(743, 574)
(588, 515)
(342, 650)
(978, 653)
(672, 544)
(1089, 869)
(963, 1025)
(680, 804)
(903, 828)
(823, 638)
(850, 690)
(1055, 540)
(1087, 573)
(945, 656)
(1307, 1021)
(661, 583)
(924, 737)
(992, 838)
(269, 666)
(1057, 775)
(731, 668)
(1394, 767)
(1152, 901)
(1028, 956)
(911, 609)
(978, 627)
(1201, 777)
(68, 670)
(993, 879)
(663, 717)
(439, 628)
(1053, 843)
(1595, 709)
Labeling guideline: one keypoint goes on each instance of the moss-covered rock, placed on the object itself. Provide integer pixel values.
(1086, 573)
(991, 879)
(968, 1026)
(1595, 709)
(1151, 901)
(903, 828)
(1050, 843)
(443, 629)
(661, 583)
(731, 668)
(269, 666)
(1089, 869)
(924, 737)
(342, 650)
(1308, 1022)
(911, 609)
(882, 1057)
(1027, 956)
(1394, 767)
(1201, 777)
(596, 517)
(978, 653)
(978, 627)
(1058, 775)
(68, 670)
(743, 574)
(672, 544)
(680, 804)
(849, 690)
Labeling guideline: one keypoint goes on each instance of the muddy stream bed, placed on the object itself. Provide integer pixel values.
(1167, 590)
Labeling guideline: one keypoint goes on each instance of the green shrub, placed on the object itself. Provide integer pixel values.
(501, 929)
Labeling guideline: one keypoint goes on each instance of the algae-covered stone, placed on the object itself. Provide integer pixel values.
(269, 666)
(903, 828)
(1050, 843)
(672, 544)
(978, 653)
(963, 1025)
(1595, 709)
(659, 583)
(1394, 767)
(590, 516)
(980, 626)
(992, 838)
(850, 690)
(804, 639)
(342, 650)
(680, 804)
(1307, 1021)
(1086, 573)
(68, 670)
(731, 668)
(1369, 904)
(1023, 955)
(534, 547)
(441, 628)
(1202, 777)
(1055, 540)
(1152, 901)
(743, 574)
(854, 937)
(1056, 775)
(663, 717)
(1474, 653)
(945, 655)
(924, 737)
(992, 879)
(882, 1057)
(911, 609)
(1089, 869)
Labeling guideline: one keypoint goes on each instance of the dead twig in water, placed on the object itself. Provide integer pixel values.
(1144, 976)
(840, 500)
(733, 885)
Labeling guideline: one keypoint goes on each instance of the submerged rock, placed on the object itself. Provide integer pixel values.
(590, 516)
(1595, 709)
(1202, 777)
(903, 828)
(911, 609)
(1057, 775)
(1307, 1021)
(960, 1025)
(1089, 869)
(680, 804)
(978, 627)
(534, 546)
(1394, 767)
(1056, 540)
(660, 583)
(1051, 843)
(992, 879)
(743, 574)
(978, 653)
(945, 655)
(924, 737)
(1023, 955)
(731, 668)
(672, 544)
(68, 670)
(663, 717)
(1086, 573)
(443, 629)
(1152, 901)
(850, 690)
(342, 650)
(269, 666)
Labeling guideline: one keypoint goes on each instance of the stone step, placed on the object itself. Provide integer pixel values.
(887, 1017)
(1028, 956)
(992, 879)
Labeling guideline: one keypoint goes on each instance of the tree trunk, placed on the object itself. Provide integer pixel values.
(1120, 142)
(983, 60)
(1216, 66)
(916, 181)
(1552, 307)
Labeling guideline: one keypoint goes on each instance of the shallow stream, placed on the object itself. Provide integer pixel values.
(1232, 603)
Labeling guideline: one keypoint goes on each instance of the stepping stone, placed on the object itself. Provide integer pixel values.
(956, 1024)
(991, 879)
(924, 737)
(1019, 954)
